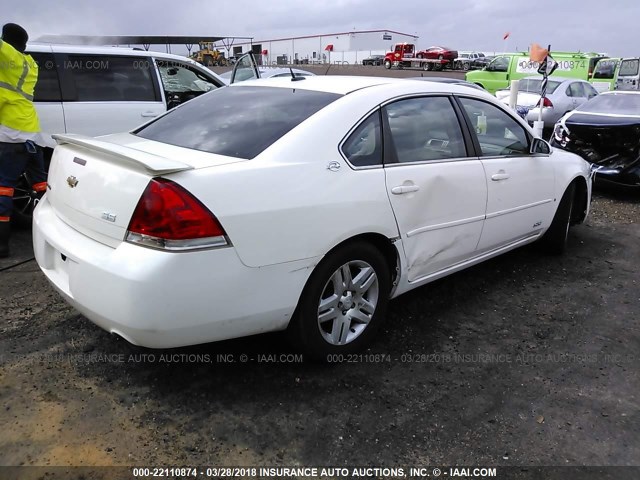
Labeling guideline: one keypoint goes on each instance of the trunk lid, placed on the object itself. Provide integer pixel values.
(95, 183)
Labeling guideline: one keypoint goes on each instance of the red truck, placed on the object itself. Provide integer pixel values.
(406, 55)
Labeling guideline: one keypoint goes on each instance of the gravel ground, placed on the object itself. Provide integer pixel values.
(523, 360)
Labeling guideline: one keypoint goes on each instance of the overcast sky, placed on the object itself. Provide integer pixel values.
(587, 25)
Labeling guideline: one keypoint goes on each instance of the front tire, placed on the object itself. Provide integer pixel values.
(387, 64)
(344, 302)
(554, 240)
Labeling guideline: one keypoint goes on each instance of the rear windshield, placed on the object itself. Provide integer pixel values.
(629, 67)
(237, 121)
(613, 103)
(535, 86)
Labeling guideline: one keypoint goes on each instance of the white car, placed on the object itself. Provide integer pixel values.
(303, 205)
(562, 96)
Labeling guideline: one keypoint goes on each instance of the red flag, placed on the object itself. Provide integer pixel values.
(506, 35)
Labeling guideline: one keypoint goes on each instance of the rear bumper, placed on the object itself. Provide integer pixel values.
(158, 299)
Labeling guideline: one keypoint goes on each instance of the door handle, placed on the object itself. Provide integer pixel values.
(496, 177)
(149, 114)
(399, 190)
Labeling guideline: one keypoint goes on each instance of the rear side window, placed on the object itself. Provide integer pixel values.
(237, 121)
(364, 145)
(97, 78)
(48, 85)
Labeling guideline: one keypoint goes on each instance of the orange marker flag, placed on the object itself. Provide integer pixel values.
(537, 53)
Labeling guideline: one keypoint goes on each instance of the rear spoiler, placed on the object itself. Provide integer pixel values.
(154, 164)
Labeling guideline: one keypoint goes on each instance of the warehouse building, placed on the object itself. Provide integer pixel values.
(346, 47)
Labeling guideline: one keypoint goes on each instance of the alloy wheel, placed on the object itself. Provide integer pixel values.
(348, 302)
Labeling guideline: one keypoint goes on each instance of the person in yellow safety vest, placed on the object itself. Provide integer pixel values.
(19, 125)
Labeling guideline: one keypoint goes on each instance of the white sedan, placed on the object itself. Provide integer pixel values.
(562, 96)
(302, 205)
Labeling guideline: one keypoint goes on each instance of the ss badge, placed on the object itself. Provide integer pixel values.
(109, 217)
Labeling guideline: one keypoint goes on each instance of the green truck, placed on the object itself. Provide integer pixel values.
(514, 66)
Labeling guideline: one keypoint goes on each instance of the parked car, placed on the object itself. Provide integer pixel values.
(471, 60)
(375, 60)
(449, 80)
(606, 132)
(562, 96)
(100, 90)
(440, 53)
(273, 205)
(267, 72)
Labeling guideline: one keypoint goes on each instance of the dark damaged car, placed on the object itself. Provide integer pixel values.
(605, 131)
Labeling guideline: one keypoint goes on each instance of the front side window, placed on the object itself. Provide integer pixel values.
(499, 64)
(605, 69)
(364, 146)
(498, 133)
(103, 78)
(182, 82)
(237, 121)
(424, 129)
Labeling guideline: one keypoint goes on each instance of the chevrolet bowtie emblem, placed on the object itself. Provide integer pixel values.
(72, 181)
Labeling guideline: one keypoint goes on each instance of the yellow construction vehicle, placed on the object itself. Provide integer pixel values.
(209, 56)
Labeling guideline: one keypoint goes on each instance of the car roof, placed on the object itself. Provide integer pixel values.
(103, 50)
(343, 85)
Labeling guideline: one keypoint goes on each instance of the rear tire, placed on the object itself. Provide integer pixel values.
(343, 303)
(554, 240)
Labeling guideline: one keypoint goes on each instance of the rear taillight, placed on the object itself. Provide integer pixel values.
(168, 217)
(546, 102)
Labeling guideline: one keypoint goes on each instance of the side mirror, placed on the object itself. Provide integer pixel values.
(540, 147)
(172, 71)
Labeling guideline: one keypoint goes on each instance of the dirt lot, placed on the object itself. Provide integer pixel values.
(524, 360)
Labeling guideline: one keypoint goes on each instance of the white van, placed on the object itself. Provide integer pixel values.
(628, 74)
(101, 90)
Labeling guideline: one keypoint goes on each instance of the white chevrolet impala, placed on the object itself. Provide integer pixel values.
(302, 205)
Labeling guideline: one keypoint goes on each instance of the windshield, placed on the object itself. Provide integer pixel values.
(534, 85)
(613, 103)
(629, 67)
(238, 121)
